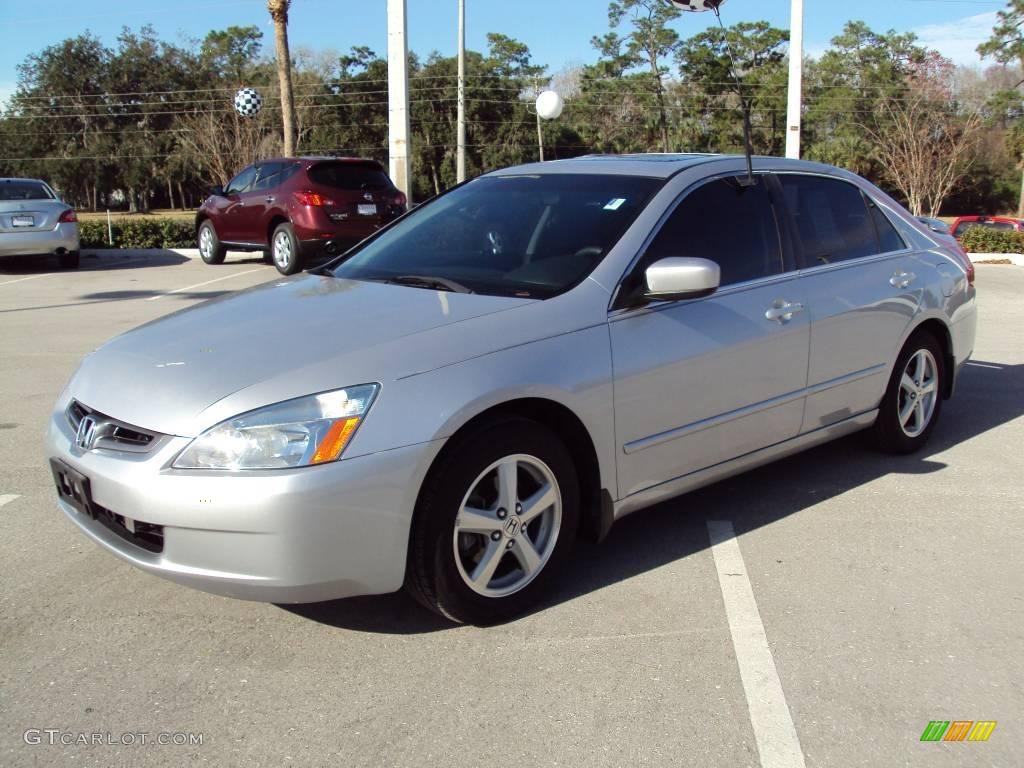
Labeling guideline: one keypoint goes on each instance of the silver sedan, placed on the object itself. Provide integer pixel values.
(34, 221)
(517, 363)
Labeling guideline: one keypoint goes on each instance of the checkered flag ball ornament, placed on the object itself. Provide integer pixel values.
(697, 5)
(248, 102)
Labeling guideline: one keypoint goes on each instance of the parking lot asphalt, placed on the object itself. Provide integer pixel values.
(890, 592)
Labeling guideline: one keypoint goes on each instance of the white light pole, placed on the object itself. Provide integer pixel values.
(796, 79)
(460, 144)
(398, 98)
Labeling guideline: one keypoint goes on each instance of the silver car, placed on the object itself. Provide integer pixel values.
(34, 221)
(516, 363)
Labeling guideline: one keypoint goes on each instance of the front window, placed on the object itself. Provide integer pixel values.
(534, 236)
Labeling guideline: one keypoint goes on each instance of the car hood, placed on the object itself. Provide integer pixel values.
(284, 339)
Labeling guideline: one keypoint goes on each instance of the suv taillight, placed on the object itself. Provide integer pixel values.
(313, 198)
(68, 217)
(399, 199)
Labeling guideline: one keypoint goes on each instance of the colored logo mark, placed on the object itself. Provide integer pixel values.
(958, 730)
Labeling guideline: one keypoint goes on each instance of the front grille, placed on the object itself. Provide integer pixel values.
(110, 433)
(145, 536)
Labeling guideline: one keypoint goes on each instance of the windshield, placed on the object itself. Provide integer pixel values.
(532, 236)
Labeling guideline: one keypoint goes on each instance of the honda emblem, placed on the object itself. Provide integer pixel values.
(86, 433)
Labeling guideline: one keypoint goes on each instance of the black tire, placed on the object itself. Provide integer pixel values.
(268, 256)
(889, 432)
(286, 257)
(432, 573)
(69, 260)
(216, 252)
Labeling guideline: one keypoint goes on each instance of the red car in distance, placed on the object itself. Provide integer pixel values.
(291, 208)
(964, 223)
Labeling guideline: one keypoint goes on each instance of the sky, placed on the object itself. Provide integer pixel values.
(558, 32)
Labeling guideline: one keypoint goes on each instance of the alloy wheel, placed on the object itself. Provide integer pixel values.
(507, 526)
(918, 393)
(282, 250)
(205, 243)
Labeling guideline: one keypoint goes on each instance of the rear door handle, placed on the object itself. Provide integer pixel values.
(269, 198)
(782, 311)
(902, 279)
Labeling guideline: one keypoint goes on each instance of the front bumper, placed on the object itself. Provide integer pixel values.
(64, 238)
(285, 536)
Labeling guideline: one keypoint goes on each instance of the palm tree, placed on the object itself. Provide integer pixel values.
(279, 13)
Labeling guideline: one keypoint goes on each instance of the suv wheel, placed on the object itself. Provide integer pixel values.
(210, 248)
(495, 522)
(285, 250)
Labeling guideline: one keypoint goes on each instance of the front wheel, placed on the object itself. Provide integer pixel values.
(285, 250)
(210, 249)
(495, 522)
(912, 402)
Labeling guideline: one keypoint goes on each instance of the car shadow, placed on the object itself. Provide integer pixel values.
(107, 296)
(988, 396)
(93, 261)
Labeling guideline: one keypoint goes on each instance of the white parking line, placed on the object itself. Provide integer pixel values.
(777, 742)
(8, 497)
(32, 277)
(208, 282)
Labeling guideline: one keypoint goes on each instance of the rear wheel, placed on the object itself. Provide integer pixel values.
(495, 523)
(285, 250)
(69, 260)
(911, 405)
(210, 249)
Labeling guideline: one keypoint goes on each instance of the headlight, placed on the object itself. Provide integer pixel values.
(295, 433)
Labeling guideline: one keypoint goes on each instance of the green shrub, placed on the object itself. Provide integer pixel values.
(986, 240)
(141, 233)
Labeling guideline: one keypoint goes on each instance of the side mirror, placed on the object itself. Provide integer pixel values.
(216, 191)
(674, 279)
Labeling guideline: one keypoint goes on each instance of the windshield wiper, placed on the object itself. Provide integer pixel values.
(426, 281)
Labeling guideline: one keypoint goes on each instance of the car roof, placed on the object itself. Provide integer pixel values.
(317, 159)
(657, 165)
(998, 219)
(9, 179)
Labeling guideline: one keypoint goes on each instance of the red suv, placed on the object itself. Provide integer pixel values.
(964, 223)
(294, 207)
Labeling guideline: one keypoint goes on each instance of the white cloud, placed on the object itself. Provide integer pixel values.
(958, 40)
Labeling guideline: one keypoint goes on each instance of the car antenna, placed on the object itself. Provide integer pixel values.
(750, 181)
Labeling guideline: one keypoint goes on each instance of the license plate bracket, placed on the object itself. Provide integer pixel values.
(367, 209)
(73, 488)
(23, 221)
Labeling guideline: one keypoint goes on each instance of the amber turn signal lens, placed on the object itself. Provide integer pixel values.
(335, 440)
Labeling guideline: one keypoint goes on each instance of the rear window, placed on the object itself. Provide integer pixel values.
(24, 190)
(350, 176)
(965, 225)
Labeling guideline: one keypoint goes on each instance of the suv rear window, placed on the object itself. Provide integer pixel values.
(351, 176)
(965, 225)
(24, 190)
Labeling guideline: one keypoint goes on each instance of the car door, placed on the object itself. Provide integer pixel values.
(257, 201)
(231, 221)
(862, 286)
(702, 381)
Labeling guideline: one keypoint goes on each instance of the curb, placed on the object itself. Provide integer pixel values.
(982, 258)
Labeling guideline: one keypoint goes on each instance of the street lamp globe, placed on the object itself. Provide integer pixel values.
(549, 105)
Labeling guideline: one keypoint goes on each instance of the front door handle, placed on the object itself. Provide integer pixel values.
(902, 279)
(782, 311)
(269, 198)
